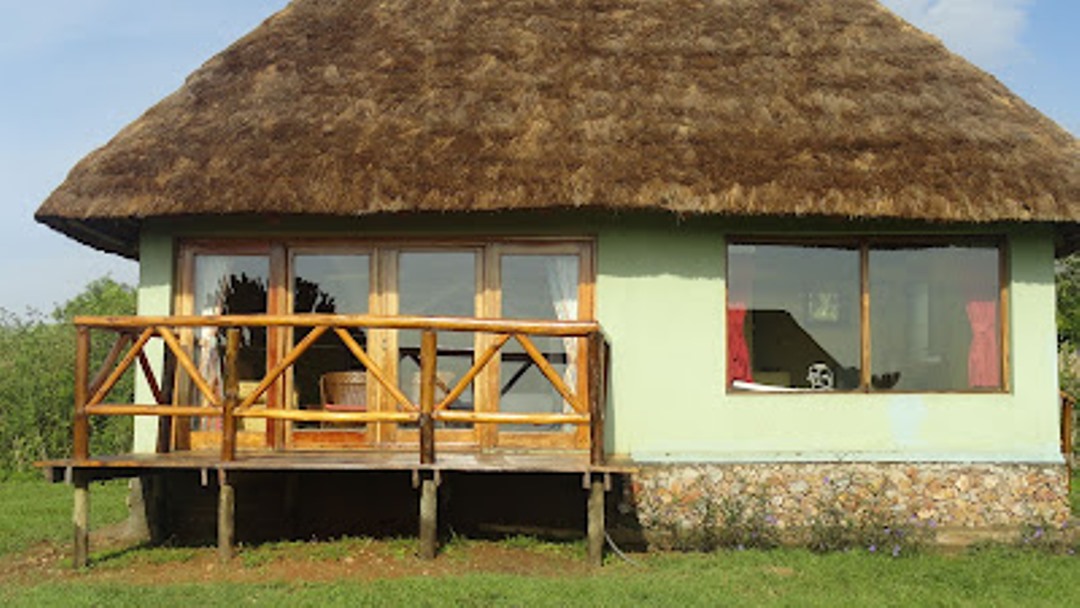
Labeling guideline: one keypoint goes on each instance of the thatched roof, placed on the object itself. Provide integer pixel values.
(833, 108)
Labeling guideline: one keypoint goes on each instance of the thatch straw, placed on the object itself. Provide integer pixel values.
(832, 108)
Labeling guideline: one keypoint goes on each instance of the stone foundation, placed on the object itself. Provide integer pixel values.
(671, 499)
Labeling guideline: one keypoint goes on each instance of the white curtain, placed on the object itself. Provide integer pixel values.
(212, 274)
(562, 279)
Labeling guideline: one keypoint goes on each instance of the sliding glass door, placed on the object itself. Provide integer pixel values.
(538, 280)
(328, 377)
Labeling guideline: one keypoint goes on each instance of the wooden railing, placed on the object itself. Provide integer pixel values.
(586, 407)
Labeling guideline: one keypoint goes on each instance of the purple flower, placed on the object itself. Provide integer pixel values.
(873, 548)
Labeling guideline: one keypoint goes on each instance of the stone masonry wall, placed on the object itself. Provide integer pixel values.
(668, 499)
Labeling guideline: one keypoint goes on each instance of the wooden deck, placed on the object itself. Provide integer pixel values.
(596, 480)
(186, 389)
(132, 465)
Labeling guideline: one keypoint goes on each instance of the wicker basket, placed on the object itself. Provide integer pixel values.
(343, 391)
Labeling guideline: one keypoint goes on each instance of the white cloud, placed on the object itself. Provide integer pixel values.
(987, 32)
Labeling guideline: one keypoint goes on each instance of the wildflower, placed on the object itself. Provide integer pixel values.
(896, 551)
(873, 548)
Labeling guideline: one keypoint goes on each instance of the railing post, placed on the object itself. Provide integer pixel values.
(81, 426)
(232, 395)
(165, 423)
(597, 396)
(428, 354)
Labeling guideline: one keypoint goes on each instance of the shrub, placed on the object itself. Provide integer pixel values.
(37, 380)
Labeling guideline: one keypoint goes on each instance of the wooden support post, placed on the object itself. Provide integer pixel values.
(80, 517)
(429, 515)
(597, 396)
(165, 423)
(226, 517)
(428, 354)
(81, 426)
(596, 520)
(232, 395)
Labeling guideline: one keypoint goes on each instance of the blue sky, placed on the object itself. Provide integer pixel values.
(74, 72)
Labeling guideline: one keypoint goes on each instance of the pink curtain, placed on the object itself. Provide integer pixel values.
(984, 355)
(738, 350)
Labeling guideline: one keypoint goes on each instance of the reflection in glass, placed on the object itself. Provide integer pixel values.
(538, 286)
(934, 317)
(793, 317)
(328, 375)
(229, 285)
(437, 283)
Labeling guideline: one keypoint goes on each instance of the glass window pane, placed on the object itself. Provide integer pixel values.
(229, 285)
(437, 283)
(934, 318)
(328, 375)
(538, 286)
(793, 317)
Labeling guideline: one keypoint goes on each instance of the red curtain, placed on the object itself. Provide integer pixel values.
(984, 355)
(738, 350)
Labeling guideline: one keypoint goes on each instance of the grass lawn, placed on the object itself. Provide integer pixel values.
(32, 511)
(784, 577)
(516, 572)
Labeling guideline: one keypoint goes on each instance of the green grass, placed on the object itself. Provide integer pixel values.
(996, 577)
(32, 511)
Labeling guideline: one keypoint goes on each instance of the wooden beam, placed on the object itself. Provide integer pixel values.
(550, 373)
(166, 424)
(108, 383)
(188, 365)
(429, 516)
(510, 417)
(596, 520)
(374, 370)
(232, 395)
(151, 379)
(226, 517)
(597, 396)
(545, 327)
(428, 356)
(282, 365)
(80, 518)
(81, 424)
(324, 416)
(110, 360)
(147, 409)
(470, 375)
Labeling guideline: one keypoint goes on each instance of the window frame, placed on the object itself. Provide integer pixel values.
(864, 245)
(384, 252)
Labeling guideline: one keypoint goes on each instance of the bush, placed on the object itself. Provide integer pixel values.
(37, 379)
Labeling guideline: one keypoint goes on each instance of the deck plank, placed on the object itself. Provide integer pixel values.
(128, 465)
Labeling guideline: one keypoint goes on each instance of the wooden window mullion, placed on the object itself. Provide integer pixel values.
(864, 316)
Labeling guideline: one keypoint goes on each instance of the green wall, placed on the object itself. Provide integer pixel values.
(660, 299)
(155, 298)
